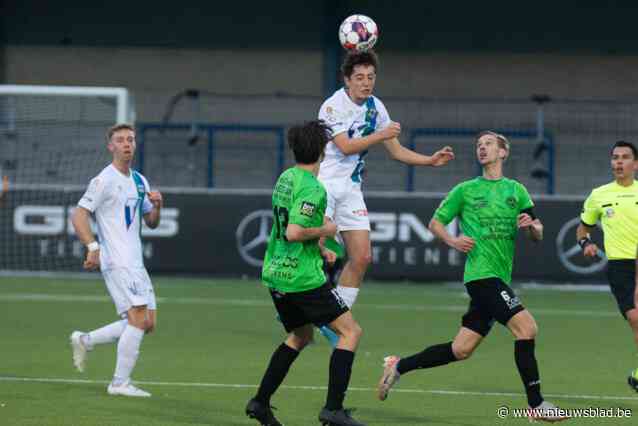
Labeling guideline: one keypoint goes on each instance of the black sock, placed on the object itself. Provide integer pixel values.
(280, 363)
(340, 370)
(528, 369)
(433, 356)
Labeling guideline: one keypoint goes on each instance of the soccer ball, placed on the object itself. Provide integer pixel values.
(358, 32)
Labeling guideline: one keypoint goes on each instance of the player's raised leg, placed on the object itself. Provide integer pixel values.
(82, 343)
(461, 348)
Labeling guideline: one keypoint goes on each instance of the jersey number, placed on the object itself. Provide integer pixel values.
(281, 221)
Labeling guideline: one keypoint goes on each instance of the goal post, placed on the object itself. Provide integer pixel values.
(125, 113)
(52, 142)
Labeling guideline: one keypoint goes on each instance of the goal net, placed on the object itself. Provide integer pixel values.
(52, 141)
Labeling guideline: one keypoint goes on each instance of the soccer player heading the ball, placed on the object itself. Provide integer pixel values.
(491, 209)
(293, 272)
(120, 199)
(358, 120)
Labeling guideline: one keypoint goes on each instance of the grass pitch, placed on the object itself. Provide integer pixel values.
(215, 337)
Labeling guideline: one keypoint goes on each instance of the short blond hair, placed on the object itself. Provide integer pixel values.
(502, 141)
(116, 128)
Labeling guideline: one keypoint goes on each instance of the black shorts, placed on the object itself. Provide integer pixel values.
(622, 280)
(491, 299)
(319, 306)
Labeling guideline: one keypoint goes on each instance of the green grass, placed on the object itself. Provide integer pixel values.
(220, 333)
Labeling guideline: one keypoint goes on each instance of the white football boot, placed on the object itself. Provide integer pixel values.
(80, 351)
(127, 389)
(390, 376)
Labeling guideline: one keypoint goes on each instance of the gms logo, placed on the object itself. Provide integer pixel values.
(53, 222)
(49, 221)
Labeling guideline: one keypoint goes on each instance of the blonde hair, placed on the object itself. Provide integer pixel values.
(501, 140)
(116, 128)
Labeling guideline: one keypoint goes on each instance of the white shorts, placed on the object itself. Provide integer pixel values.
(346, 206)
(129, 287)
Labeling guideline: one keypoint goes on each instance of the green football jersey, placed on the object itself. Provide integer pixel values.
(487, 212)
(291, 267)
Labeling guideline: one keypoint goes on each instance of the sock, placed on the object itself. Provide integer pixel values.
(528, 369)
(107, 334)
(128, 349)
(280, 363)
(340, 371)
(432, 356)
(348, 294)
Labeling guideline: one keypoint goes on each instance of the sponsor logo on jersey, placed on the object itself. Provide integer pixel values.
(511, 302)
(360, 212)
(307, 209)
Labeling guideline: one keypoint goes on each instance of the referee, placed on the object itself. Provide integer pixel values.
(616, 206)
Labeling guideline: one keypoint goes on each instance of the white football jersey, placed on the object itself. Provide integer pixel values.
(343, 115)
(116, 200)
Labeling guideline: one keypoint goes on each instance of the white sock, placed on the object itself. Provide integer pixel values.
(107, 334)
(348, 294)
(128, 349)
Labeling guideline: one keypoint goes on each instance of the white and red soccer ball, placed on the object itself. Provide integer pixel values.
(358, 32)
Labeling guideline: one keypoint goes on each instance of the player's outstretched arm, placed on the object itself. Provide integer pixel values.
(407, 156)
(296, 232)
(590, 249)
(462, 243)
(81, 223)
(356, 145)
(152, 218)
(533, 227)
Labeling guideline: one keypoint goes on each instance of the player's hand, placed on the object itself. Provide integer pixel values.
(392, 131)
(92, 261)
(463, 243)
(524, 220)
(329, 228)
(591, 250)
(329, 256)
(155, 197)
(442, 156)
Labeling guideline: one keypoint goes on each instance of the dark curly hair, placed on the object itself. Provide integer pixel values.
(355, 58)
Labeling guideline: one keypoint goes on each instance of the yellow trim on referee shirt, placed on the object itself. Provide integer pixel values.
(616, 207)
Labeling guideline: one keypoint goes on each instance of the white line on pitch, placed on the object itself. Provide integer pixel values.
(313, 388)
(43, 297)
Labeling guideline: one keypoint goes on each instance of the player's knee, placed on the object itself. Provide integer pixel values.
(298, 343)
(362, 261)
(462, 353)
(357, 331)
(529, 331)
(353, 332)
(632, 317)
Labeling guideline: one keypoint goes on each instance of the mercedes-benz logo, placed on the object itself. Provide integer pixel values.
(252, 236)
(570, 253)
